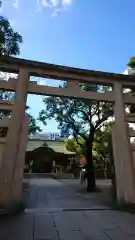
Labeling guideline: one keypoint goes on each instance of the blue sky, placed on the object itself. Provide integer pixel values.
(93, 34)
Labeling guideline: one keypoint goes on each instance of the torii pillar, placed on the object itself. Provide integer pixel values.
(8, 176)
(124, 170)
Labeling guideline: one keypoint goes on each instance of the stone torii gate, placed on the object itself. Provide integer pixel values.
(12, 147)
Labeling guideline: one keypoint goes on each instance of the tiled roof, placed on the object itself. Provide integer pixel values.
(61, 149)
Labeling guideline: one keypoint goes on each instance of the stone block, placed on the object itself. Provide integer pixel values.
(117, 234)
(43, 233)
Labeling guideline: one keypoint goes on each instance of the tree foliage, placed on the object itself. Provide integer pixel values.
(33, 127)
(9, 40)
(131, 62)
(82, 117)
(10, 45)
(100, 143)
(75, 145)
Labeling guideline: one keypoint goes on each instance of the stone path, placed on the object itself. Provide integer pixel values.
(49, 217)
(63, 194)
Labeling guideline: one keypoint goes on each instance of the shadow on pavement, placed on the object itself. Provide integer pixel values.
(65, 194)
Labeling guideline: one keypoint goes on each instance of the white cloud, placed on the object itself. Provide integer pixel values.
(13, 23)
(15, 3)
(129, 71)
(66, 2)
(47, 4)
(55, 12)
(50, 3)
(55, 5)
(126, 72)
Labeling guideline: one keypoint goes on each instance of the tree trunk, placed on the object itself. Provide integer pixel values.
(90, 166)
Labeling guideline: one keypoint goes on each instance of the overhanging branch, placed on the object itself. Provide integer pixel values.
(85, 114)
(101, 121)
(75, 129)
(97, 107)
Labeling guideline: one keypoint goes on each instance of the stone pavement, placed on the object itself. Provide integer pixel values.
(69, 225)
(62, 194)
(54, 220)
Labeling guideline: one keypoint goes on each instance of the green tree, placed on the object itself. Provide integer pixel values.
(33, 127)
(131, 65)
(100, 145)
(101, 150)
(82, 118)
(101, 138)
(9, 40)
(131, 62)
(10, 45)
(75, 145)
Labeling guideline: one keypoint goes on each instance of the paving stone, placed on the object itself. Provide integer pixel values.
(128, 228)
(93, 233)
(117, 234)
(87, 227)
(45, 233)
(72, 235)
(125, 221)
(17, 228)
(127, 224)
(43, 220)
(65, 227)
(99, 219)
(61, 217)
(116, 216)
(46, 220)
